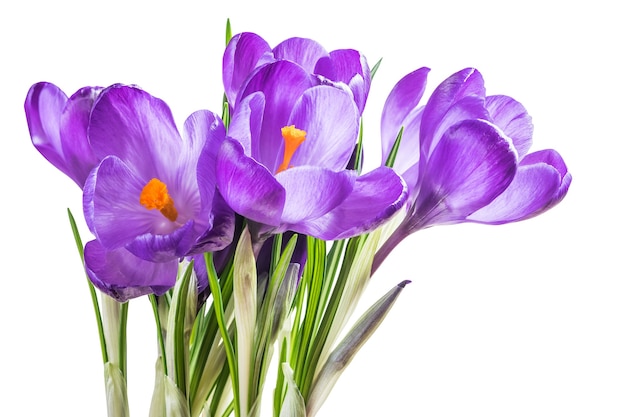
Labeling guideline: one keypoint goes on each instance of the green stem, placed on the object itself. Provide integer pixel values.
(155, 309)
(122, 337)
(92, 290)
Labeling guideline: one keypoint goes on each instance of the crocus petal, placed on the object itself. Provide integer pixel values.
(77, 151)
(302, 51)
(221, 228)
(163, 247)
(123, 276)
(532, 189)
(245, 52)
(43, 106)
(245, 124)
(350, 67)
(247, 186)
(403, 99)
(282, 83)
(112, 208)
(510, 116)
(376, 197)
(464, 83)
(331, 121)
(473, 164)
(312, 191)
(145, 136)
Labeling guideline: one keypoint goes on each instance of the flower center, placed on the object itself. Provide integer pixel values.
(293, 139)
(154, 196)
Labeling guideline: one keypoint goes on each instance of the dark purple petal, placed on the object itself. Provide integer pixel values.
(376, 197)
(247, 186)
(464, 83)
(221, 228)
(471, 166)
(245, 52)
(331, 121)
(510, 116)
(313, 191)
(123, 276)
(402, 101)
(304, 52)
(138, 128)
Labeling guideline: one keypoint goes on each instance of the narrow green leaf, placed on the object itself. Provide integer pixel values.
(375, 68)
(293, 406)
(393, 153)
(343, 354)
(229, 32)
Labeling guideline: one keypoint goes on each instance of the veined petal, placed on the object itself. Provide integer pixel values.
(331, 121)
(282, 84)
(247, 186)
(136, 127)
(112, 208)
(313, 191)
(77, 151)
(221, 227)
(246, 122)
(376, 197)
(164, 247)
(245, 52)
(43, 106)
(302, 51)
(473, 164)
(123, 276)
(464, 83)
(510, 116)
(532, 189)
(403, 99)
(349, 67)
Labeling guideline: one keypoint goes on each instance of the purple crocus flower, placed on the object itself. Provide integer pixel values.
(283, 164)
(58, 128)
(247, 52)
(464, 156)
(148, 202)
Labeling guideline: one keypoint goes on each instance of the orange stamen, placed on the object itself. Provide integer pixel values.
(293, 139)
(154, 196)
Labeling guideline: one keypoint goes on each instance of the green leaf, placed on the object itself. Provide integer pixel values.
(393, 153)
(343, 354)
(375, 68)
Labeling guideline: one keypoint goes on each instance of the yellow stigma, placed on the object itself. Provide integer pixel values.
(154, 196)
(293, 139)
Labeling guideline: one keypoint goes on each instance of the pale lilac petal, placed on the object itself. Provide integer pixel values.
(473, 164)
(402, 101)
(112, 208)
(510, 116)
(302, 51)
(123, 276)
(331, 121)
(138, 128)
(248, 187)
(313, 191)
(245, 53)
(220, 230)
(376, 197)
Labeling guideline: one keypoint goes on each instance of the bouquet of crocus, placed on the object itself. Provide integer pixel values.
(254, 232)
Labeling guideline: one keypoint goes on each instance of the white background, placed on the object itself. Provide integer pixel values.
(527, 319)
